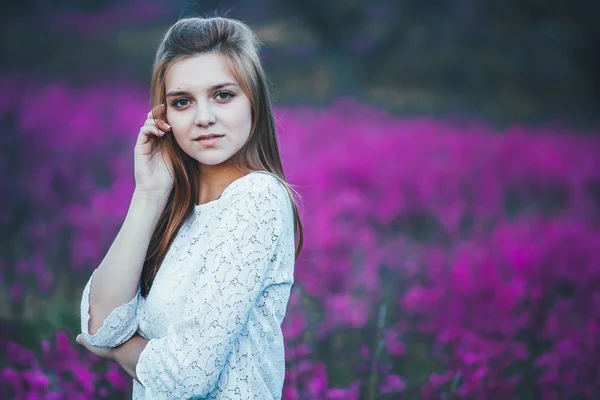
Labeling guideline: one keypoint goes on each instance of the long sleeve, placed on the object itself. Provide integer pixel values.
(118, 327)
(238, 261)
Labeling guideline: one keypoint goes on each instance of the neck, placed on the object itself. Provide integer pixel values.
(214, 180)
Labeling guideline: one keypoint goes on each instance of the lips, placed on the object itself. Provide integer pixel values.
(208, 137)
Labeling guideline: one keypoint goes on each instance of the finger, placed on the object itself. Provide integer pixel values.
(149, 130)
(157, 110)
(81, 341)
(160, 123)
(148, 133)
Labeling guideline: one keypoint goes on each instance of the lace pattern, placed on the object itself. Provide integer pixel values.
(118, 327)
(213, 316)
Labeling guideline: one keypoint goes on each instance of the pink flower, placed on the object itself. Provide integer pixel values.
(392, 384)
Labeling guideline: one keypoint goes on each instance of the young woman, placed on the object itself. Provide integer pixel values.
(191, 295)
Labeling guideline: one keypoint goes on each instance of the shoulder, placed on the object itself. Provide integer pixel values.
(259, 189)
(258, 183)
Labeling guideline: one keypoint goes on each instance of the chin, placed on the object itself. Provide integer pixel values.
(214, 160)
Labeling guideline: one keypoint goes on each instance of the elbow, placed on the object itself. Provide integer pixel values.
(104, 337)
(112, 331)
(91, 321)
(94, 324)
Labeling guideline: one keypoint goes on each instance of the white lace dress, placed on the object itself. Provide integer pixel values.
(213, 316)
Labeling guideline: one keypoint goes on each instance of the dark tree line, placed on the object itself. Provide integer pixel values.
(526, 50)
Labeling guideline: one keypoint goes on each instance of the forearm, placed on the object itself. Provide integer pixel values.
(116, 280)
(128, 354)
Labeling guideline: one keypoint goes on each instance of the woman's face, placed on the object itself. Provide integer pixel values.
(203, 98)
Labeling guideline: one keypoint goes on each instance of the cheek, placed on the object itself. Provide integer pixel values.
(178, 139)
(244, 121)
(238, 121)
(179, 128)
(247, 125)
(176, 121)
(180, 134)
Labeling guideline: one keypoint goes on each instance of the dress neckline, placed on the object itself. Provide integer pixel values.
(211, 204)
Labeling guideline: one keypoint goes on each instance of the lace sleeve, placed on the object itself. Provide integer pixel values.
(236, 265)
(118, 327)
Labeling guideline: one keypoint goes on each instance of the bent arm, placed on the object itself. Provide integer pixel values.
(115, 282)
(127, 354)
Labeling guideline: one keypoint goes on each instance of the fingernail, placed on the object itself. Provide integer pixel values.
(168, 126)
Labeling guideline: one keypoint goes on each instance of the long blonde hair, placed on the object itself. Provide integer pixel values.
(238, 45)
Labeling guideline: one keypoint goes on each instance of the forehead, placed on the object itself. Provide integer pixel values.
(198, 72)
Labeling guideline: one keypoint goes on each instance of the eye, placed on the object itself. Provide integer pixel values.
(227, 95)
(177, 103)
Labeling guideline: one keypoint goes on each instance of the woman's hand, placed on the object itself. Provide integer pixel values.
(153, 169)
(126, 355)
(106, 353)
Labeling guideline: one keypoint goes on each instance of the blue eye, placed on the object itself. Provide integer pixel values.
(228, 94)
(177, 103)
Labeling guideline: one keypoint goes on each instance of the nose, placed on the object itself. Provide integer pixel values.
(204, 114)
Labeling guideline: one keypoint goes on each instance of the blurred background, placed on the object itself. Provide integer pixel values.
(448, 160)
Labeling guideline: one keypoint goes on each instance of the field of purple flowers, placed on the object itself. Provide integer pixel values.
(444, 258)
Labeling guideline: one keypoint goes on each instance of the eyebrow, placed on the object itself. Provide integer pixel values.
(214, 87)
